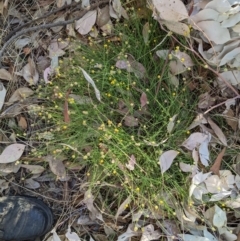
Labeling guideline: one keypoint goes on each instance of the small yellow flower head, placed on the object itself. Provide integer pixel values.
(64, 127)
(84, 122)
(188, 132)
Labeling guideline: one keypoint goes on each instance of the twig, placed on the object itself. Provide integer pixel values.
(37, 19)
(50, 25)
(222, 103)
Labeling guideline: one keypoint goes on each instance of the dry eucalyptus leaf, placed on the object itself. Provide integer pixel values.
(123, 206)
(150, 234)
(220, 35)
(20, 43)
(128, 234)
(220, 217)
(12, 153)
(91, 81)
(94, 213)
(3, 185)
(35, 169)
(130, 121)
(22, 123)
(194, 140)
(30, 73)
(58, 28)
(57, 167)
(85, 24)
(72, 236)
(145, 32)
(4, 74)
(9, 167)
(205, 100)
(171, 123)
(143, 99)
(20, 94)
(179, 28)
(166, 159)
(31, 184)
(2, 95)
(231, 119)
(103, 16)
(171, 10)
(108, 27)
(217, 131)
(217, 164)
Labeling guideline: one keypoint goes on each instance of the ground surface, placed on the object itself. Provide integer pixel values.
(123, 116)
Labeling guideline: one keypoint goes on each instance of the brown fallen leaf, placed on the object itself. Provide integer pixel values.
(4, 74)
(22, 123)
(231, 119)
(217, 164)
(57, 167)
(217, 131)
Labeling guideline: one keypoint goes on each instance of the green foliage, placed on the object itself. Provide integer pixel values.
(97, 136)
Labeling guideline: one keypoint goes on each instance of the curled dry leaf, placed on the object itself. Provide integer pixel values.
(30, 73)
(90, 81)
(4, 74)
(85, 24)
(166, 159)
(12, 153)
